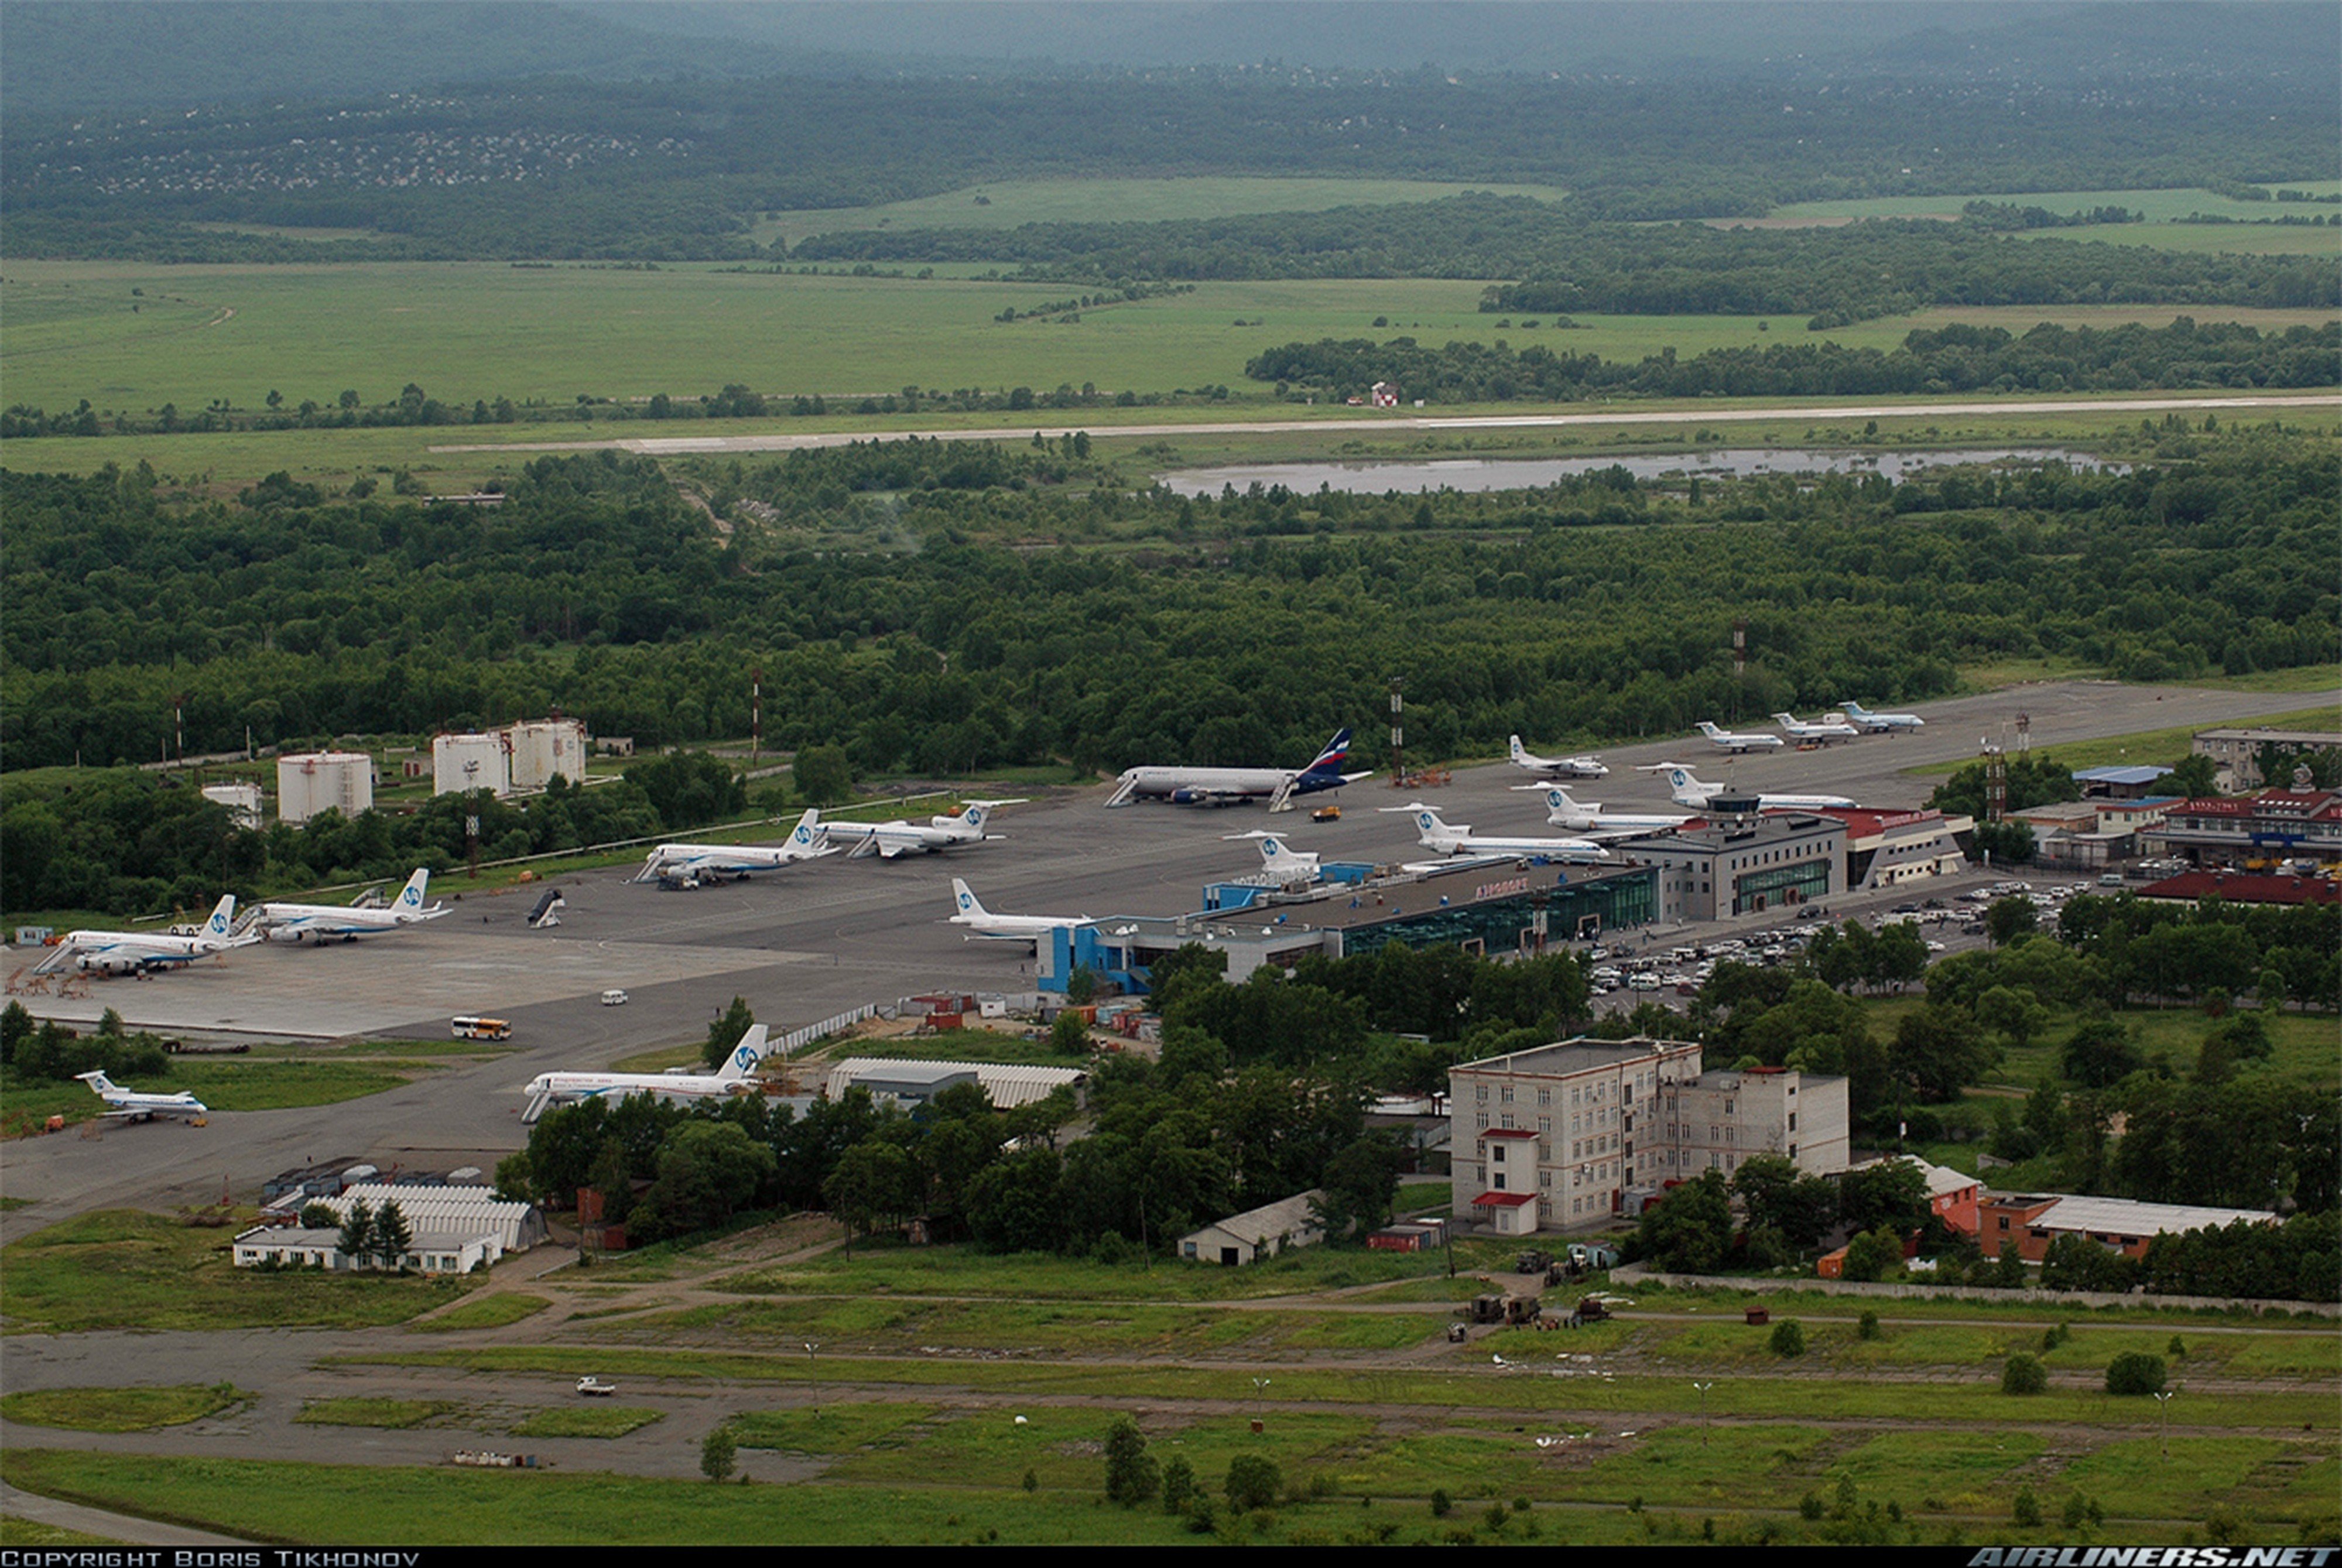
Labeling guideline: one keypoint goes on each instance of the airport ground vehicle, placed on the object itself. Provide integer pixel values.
(595, 1388)
(614, 998)
(471, 1026)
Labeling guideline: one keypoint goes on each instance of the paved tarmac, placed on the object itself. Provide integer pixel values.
(811, 941)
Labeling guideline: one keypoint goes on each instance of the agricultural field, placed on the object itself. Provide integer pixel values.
(471, 332)
(1008, 203)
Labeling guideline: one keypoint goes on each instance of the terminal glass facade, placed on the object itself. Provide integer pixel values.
(1502, 924)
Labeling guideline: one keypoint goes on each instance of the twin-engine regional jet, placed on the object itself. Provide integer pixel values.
(806, 841)
(1448, 838)
(319, 922)
(1226, 786)
(982, 922)
(131, 1106)
(890, 839)
(551, 1089)
(1696, 794)
(1888, 724)
(128, 952)
(1744, 741)
(1578, 768)
(1822, 731)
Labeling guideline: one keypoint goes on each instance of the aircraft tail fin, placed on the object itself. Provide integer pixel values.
(964, 898)
(410, 897)
(810, 835)
(99, 1083)
(745, 1054)
(222, 922)
(1336, 752)
(1518, 751)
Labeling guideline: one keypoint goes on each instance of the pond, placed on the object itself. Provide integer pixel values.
(1479, 474)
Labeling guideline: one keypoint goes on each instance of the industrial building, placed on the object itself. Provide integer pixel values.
(1579, 1134)
(2033, 1221)
(1006, 1086)
(1257, 1233)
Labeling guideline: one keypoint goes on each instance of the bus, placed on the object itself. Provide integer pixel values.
(470, 1028)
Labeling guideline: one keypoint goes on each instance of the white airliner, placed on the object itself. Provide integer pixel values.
(1746, 741)
(1450, 839)
(1593, 817)
(1863, 718)
(131, 1106)
(890, 839)
(1823, 731)
(982, 922)
(1578, 767)
(319, 922)
(806, 841)
(1226, 786)
(1281, 865)
(128, 952)
(1696, 794)
(550, 1089)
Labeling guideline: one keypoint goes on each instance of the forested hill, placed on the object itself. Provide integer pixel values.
(684, 169)
(932, 613)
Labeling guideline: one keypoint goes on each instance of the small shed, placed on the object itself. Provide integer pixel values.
(1257, 1233)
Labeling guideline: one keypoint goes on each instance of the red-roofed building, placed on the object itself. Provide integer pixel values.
(2245, 887)
(1885, 848)
(2275, 823)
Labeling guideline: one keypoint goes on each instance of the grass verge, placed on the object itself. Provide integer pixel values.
(120, 1409)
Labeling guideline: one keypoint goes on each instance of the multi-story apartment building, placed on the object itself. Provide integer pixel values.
(1577, 1133)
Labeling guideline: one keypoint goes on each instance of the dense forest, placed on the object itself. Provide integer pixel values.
(681, 169)
(894, 599)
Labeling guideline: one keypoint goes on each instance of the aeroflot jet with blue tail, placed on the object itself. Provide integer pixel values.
(1226, 786)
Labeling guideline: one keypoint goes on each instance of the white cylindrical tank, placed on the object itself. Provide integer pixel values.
(542, 748)
(315, 781)
(461, 763)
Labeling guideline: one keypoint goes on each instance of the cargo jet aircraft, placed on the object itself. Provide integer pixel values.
(1578, 767)
(1447, 839)
(1863, 718)
(1822, 731)
(1694, 792)
(1745, 740)
(982, 922)
(550, 1089)
(131, 1106)
(890, 839)
(128, 952)
(806, 841)
(1226, 786)
(348, 921)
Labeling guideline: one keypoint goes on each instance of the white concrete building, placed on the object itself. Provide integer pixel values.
(1577, 1133)
(1256, 1234)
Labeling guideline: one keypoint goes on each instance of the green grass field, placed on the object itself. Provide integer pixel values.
(1010, 202)
(119, 1409)
(472, 331)
(123, 1269)
(587, 1420)
(2155, 205)
(393, 1414)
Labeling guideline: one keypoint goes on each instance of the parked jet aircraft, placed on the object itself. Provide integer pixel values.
(550, 1089)
(1863, 718)
(1600, 820)
(131, 1106)
(1578, 767)
(128, 952)
(982, 922)
(1226, 786)
(318, 922)
(806, 841)
(1745, 740)
(890, 839)
(1281, 865)
(1824, 730)
(1452, 839)
(1696, 794)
